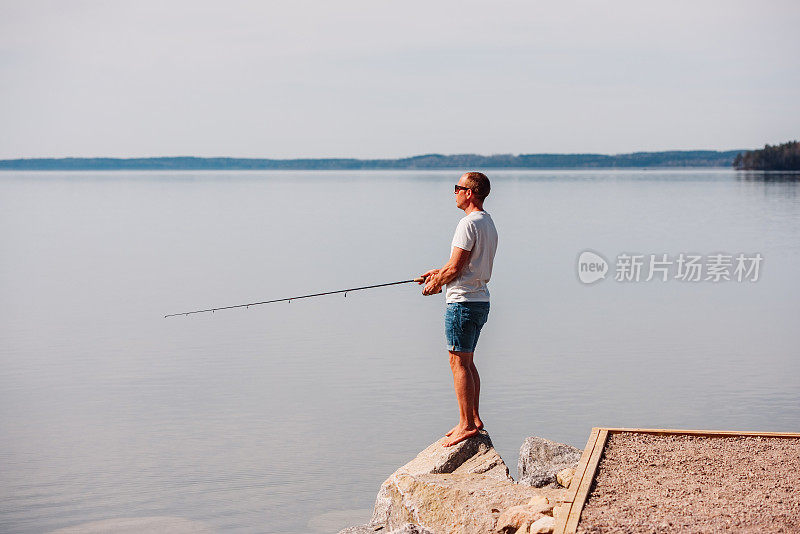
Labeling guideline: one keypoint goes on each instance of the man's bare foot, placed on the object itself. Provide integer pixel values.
(460, 435)
(478, 424)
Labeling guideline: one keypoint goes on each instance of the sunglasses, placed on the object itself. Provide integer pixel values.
(460, 188)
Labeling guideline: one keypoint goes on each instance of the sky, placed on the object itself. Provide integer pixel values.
(387, 79)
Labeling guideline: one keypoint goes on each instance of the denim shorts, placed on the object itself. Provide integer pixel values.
(462, 324)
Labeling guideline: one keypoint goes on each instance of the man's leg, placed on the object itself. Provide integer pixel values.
(476, 381)
(461, 365)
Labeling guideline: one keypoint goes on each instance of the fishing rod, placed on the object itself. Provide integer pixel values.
(289, 299)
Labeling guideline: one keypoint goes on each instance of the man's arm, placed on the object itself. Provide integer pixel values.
(436, 278)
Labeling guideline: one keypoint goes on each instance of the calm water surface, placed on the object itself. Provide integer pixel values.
(286, 418)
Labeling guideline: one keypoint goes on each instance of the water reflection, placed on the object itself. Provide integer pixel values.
(769, 176)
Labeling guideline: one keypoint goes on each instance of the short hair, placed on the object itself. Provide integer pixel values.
(478, 183)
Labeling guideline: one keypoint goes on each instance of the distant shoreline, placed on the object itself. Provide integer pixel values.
(666, 159)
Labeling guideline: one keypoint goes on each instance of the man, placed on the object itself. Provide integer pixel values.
(466, 275)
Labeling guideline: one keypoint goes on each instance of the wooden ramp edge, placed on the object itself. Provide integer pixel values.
(578, 491)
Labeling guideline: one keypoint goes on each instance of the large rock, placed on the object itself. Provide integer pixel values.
(458, 503)
(475, 455)
(541, 459)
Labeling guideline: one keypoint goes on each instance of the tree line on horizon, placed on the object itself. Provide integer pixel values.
(676, 158)
(784, 157)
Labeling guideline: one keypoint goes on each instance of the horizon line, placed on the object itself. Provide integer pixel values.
(383, 158)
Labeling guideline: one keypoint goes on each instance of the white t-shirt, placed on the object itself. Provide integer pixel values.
(475, 232)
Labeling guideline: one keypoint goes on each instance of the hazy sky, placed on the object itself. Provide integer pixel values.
(389, 79)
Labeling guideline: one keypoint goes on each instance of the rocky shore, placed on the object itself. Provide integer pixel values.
(466, 489)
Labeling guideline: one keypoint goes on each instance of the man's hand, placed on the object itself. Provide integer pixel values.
(427, 275)
(429, 279)
(436, 278)
(432, 287)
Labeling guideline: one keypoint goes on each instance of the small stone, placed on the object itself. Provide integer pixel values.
(541, 504)
(516, 517)
(564, 477)
(545, 525)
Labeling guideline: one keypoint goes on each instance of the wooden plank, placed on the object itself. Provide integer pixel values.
(560, 512)
(586, 483)
(561, 522)
(710, 433)
(582, 463)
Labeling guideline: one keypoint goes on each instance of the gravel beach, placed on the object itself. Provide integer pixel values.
(670, 483)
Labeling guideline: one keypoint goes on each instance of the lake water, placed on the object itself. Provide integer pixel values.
(286, 418)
